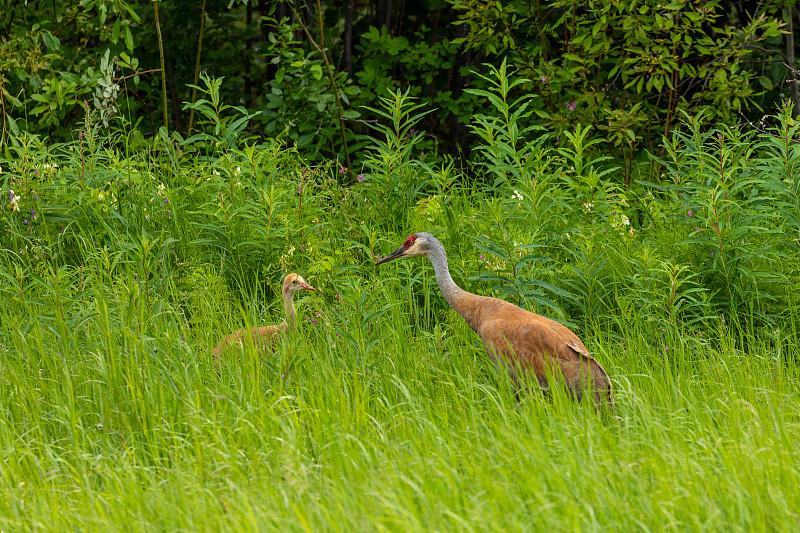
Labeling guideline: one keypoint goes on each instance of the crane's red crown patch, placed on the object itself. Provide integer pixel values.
(410, 241)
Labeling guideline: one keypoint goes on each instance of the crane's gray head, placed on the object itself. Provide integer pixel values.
(416, 244)
(295, 282)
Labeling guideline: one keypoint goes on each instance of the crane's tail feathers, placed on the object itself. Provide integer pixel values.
(602, 390)
(592, 380)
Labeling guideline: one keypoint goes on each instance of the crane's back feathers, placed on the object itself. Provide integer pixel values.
(263, 337)
(524, 341)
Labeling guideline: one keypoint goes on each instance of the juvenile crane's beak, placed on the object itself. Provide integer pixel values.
(306, 287)
(400, 252)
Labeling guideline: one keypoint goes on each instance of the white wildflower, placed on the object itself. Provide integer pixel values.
(516, 195)
(238, 171)
(620, 220)
(588, 206)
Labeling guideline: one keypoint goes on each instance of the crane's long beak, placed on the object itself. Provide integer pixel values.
(400, 252)
(307, 287)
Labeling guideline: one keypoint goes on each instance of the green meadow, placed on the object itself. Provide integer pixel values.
(125, 259)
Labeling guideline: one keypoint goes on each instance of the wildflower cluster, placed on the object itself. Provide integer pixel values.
(14, 205)
(285, 258)
(619, 221)
(316, 318)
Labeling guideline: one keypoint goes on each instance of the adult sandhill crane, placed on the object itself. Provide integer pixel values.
(266, 336)
(513, 337)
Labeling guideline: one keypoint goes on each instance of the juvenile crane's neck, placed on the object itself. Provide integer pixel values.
(288, 307)
(458, 298)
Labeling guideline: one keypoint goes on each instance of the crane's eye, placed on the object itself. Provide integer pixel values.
(410, 241)
(295, 282)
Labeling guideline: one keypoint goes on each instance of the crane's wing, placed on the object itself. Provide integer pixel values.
(263, 337)
(536, 345)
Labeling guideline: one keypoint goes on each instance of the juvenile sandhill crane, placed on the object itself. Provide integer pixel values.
(513, 337)
(266, 336)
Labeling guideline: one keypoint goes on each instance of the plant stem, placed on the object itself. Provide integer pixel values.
(789, 15)
(197, 62)
(163, 70)
(329, 69)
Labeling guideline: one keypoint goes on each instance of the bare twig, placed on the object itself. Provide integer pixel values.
(129, 76)
(767, 51)
(762, 129)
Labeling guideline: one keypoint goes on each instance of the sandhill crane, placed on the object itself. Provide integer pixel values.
(267, 336)
(513, 337)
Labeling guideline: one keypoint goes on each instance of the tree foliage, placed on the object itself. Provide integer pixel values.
(306, 71)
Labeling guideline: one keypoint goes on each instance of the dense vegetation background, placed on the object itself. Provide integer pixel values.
(627, 168)
(308, 71)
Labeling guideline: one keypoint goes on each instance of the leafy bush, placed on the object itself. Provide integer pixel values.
(623, 72)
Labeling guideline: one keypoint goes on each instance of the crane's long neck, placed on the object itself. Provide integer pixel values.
(288, 306)
(458, 298)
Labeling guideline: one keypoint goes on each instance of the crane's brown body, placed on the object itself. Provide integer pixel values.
(521, 341)
(265, 337)
(525, 342)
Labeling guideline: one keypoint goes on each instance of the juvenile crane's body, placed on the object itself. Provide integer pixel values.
(517, 339)
(265, 337)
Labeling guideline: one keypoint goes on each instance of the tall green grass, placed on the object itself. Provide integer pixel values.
(130, 431)
(383, 412)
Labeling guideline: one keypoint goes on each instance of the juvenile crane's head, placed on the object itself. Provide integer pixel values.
(416, 244)
(293, 283)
